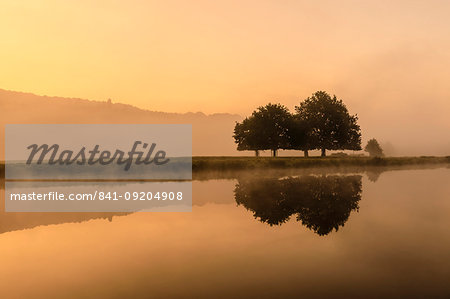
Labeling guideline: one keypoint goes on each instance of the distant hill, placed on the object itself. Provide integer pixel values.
(212, 134)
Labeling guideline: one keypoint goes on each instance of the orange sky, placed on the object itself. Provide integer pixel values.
(388, 60)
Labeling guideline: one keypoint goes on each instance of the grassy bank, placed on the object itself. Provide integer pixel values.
(238, 163)
(226, 164)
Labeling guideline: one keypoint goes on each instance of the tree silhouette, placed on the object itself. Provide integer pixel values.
(247, 136)
(321, 122)
(373, 148)
(329, 202)
(330, 125)
(300, 135)
(264, 199)
(266, 129)
(319, 203)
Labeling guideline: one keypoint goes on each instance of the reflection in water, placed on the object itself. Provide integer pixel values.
(12, 221)
(321, 203)
(374, 174)
(397, 247)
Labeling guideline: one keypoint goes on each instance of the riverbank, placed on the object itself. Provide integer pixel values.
(227, 163)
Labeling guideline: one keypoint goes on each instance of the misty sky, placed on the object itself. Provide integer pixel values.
(388, 60)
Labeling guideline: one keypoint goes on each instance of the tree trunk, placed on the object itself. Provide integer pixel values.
(306, 153)
(274, 153)
(256, 153)
(323, 153)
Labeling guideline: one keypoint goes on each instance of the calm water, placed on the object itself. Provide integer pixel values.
(347, 235)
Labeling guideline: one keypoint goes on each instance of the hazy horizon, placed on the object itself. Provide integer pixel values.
(22, 107)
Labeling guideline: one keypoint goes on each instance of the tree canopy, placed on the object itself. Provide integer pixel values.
(266, 129)
(319, 122)
(373, 148)
(330, 125)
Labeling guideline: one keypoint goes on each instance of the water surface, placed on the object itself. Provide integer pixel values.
(317, 235)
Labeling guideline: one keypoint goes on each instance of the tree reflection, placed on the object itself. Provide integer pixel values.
(321, 203)
(373, 176)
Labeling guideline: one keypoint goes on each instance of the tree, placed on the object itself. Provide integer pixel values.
(247, 136)
(330, 124)
(373, 148)
(299, 135)
(266, 129)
